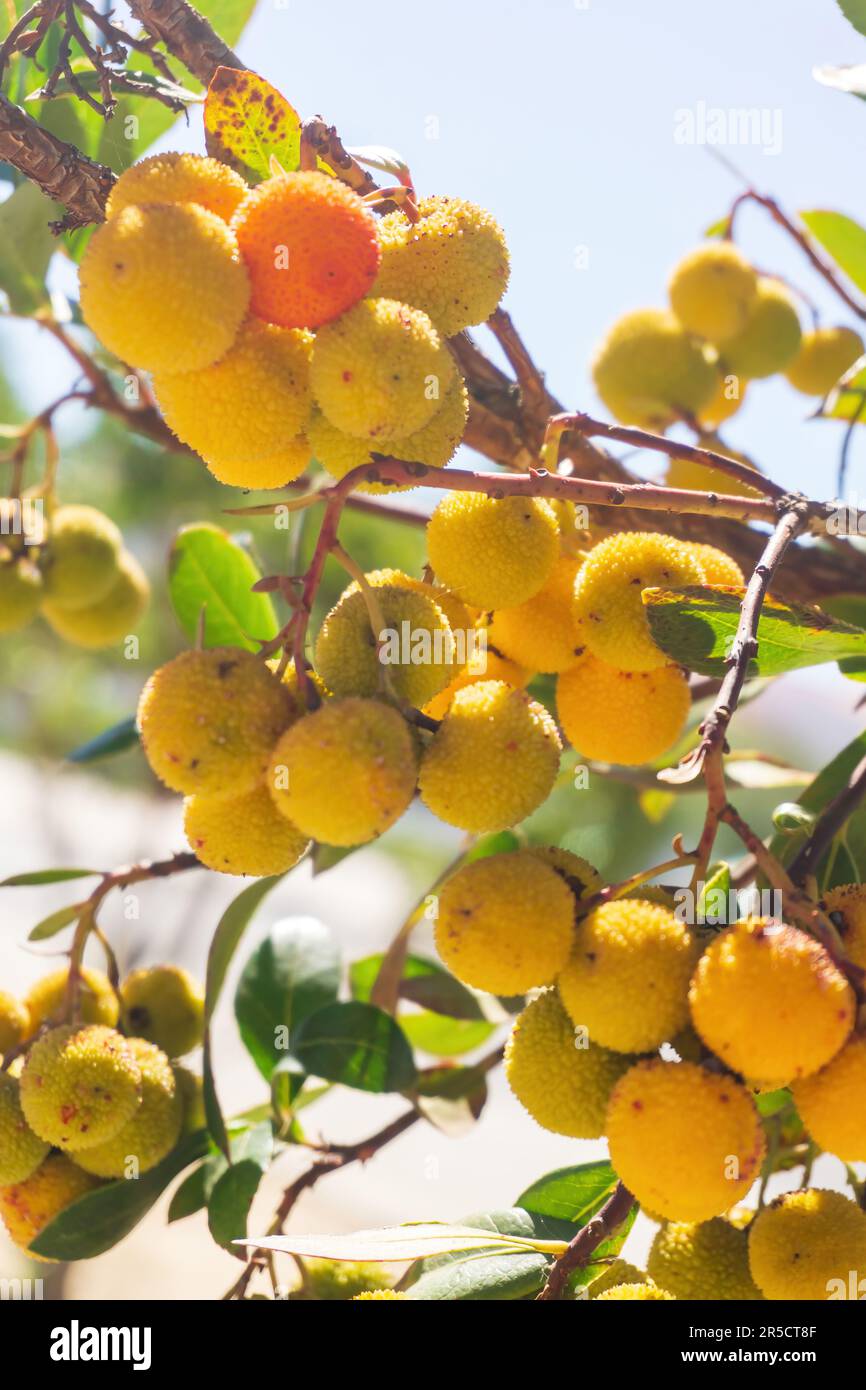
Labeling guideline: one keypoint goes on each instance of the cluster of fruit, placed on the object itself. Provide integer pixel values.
(727, 326)
(81, 1103)
(76, 573)
(285, 322)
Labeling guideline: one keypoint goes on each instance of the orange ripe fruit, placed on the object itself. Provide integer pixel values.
(311, 248)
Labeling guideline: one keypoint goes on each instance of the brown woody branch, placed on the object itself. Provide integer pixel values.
(588, 1239)
(186, 34)
(62, 172)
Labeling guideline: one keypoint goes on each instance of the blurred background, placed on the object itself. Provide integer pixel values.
(566, 119)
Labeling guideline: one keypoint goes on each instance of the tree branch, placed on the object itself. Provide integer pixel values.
(829, 823)
(62, 172)
(588, 1239)
(186, 34)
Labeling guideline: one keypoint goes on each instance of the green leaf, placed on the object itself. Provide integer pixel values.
(452, 1098)
(248, 122)
(51, 925)
(424, 982)
(40, 876)
(292, 973)
(445, 1037)
(696, 627)
(26, 247)
(229, 1202)
(191, 1195)
(771, 1102)
(503, 842)
(392, 1244)
(490, 1273)
(717, 885)
(226, 938)
(209, 570)
(96, 1222)
(827, 784)
(578, 1194)
(855, 12)
(356, 1045)
(843, 239)
(114, 740)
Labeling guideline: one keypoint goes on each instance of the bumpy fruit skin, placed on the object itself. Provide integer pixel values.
(21, 1151)
(825, 355)
(155, 1127)
(702, 1261)
(636, 1293)
(28, 1207)
(97, 1000)
(83, 551)
(311, 247)
(803, 1242)
(712, 290)
(649, 370)
(209, 720)
(21, 592)
(505, 924)
(376, 1294)
(14, 1021)
(718, 567)
(242, 834)
(493, 759)
(345, 773)
(493, 552)
(687, 1142)
(607, 594)
(179, 178)
(768, 1000)
(564, 1086)
(415, 627)
(847, 906)
(770, 339)
(627, 978)
(452, 263)
(334, 1280)
(112, 617)
(830, 1103)
(381, 371)
(626, 717)
(79, 1086)
(619, 1272)
(163, 287)
(244, 414)
(541, 633)
(581, 877)
(483, 665)
(164, 1005)
(729, 395)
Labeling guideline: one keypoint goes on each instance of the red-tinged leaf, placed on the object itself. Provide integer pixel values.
(248, 122)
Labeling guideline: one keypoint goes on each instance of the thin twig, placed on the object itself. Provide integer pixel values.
(614, 1212)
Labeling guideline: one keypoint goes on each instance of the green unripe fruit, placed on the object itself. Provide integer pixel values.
(712, 290)
(20, 593)
(152, 1132)
(21, 1151)
(708, 1260)
(770, 339)
(14, 1021)
(825, 355)
(97, 1001)
(112, 617)
(164, 1005)
(649, 370)
(81, 556)
(79, 1086)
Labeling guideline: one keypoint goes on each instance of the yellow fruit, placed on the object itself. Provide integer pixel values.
(14, 1021)
(770, 338)
(242, 834)
(164, 1005)
(608, 588)
(380, 371)
(649, 371)
(563, 1080)
(695, 477)
(830, 1102)
(687, 1142)
(163, 287)
(582, 878)
(493, 552)
(505, 924)
(113, 617)
(846, 906)
(825, 355)
(79, 1086)
(179, 178)
(806, 1245)
(493, 759)
(209, 719)
(191, 1088)
(628, 975)
(452, 262)
(636, 1293)
(21, 592)
(626, 717)
(619, 1272)
(768, 1000)
(246, 414)
(375, 1294)
(541, 633)
(28, 1207)
(21, 1151)
(154, 1129)
(706, 1261)
(345, 773)
(483, 665)
(729, 395)
(97, 1001)
(712, 290)
(82, 555)
(332, 1280)
(416, 648)
(718, 567)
